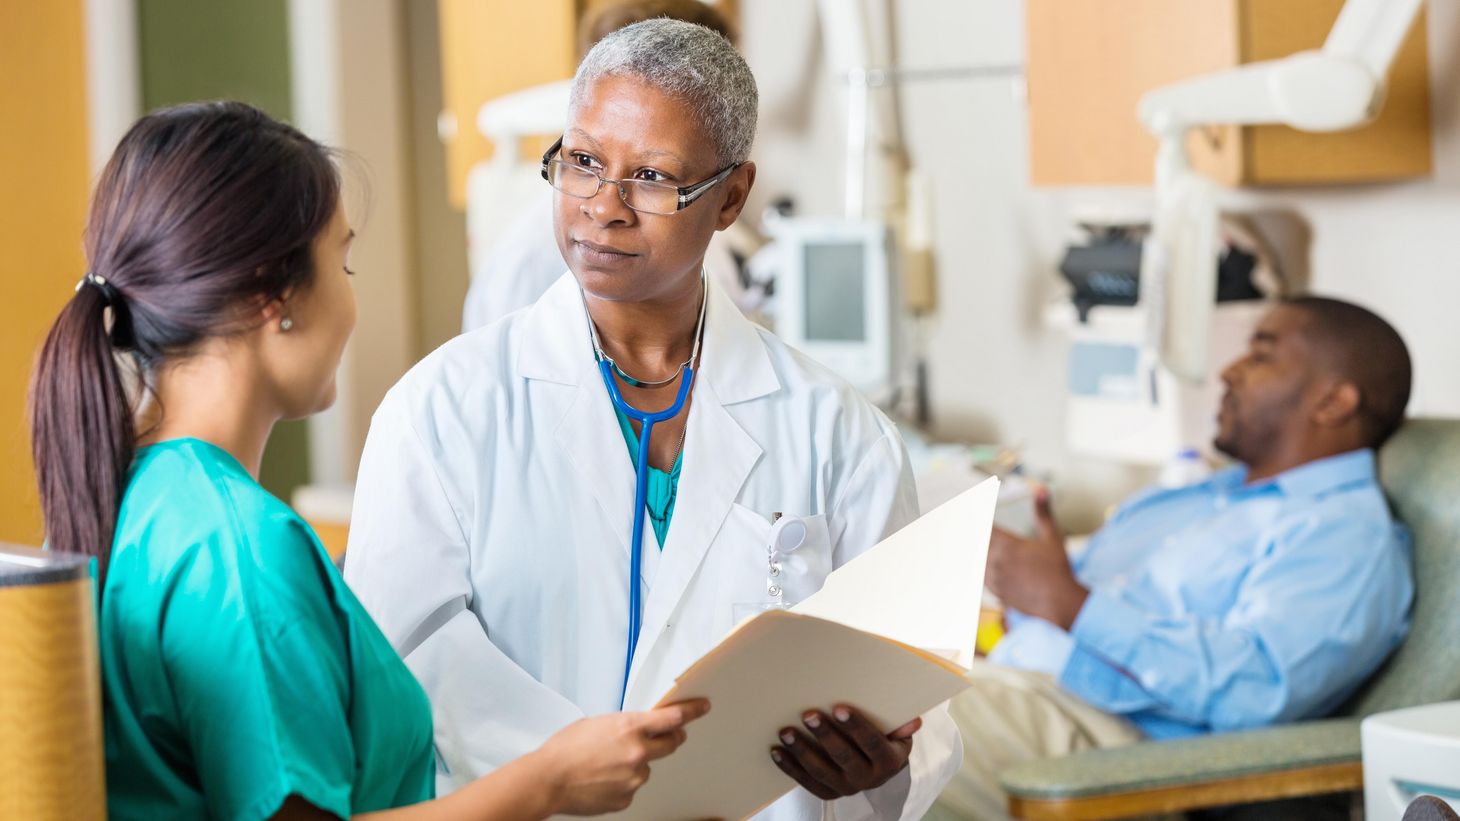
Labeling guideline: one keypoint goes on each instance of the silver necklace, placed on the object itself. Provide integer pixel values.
(647, 383)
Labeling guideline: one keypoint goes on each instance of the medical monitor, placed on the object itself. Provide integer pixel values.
(835, 300)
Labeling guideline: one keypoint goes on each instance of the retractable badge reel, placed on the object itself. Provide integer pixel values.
(787, 534)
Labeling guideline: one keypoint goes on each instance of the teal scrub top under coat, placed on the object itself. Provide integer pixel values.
(237, 667)
(663, 487)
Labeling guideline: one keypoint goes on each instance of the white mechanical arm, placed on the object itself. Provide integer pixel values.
(1333, 88)
(1337, 87)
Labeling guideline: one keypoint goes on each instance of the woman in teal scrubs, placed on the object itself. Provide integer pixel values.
(242, 679)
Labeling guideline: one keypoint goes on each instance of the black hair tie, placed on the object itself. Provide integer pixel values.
(121, 330)
(109, 292)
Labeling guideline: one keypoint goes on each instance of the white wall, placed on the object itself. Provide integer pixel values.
(113, 77)
(350, 74)
(996, 373)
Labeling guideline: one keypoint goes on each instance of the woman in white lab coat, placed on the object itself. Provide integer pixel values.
(491, 532)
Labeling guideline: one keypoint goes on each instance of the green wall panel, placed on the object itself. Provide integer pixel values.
(226, 49)
(211, 49)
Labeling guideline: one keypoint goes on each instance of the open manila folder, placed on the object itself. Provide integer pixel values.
(891, 633)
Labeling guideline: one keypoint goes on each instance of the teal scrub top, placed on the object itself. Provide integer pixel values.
(663, 487)
(237, 667)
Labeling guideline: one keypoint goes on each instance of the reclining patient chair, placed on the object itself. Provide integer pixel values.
(1420, 471)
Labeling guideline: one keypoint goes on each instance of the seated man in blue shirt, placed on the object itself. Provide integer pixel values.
(1267, 593)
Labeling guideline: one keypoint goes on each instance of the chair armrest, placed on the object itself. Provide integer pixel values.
(1309, 758)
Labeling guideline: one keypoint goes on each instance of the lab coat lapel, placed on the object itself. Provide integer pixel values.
(719, 455)
(590, 437)
(556, 348)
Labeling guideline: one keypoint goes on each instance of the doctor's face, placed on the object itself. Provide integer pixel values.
(625, 129)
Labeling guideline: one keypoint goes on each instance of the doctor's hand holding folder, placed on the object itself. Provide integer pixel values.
(889, 637)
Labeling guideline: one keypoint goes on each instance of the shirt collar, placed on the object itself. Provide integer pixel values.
(1311, 479)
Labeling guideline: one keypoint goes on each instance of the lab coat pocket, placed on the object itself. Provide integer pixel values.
(786, 560)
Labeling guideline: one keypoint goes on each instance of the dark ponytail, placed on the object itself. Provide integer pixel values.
(82, 430)
(205, 212)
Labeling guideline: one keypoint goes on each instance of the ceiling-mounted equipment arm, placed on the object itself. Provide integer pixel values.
(1336, 87)
(1371, 31)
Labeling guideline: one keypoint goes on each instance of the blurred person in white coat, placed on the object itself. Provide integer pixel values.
(523, 260)
(492, 536)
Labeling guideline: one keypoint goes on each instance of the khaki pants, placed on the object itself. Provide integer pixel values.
(1011, 716)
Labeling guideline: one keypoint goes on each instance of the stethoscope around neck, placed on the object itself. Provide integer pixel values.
(607, 369)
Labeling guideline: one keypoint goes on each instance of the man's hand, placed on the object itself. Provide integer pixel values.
(1034, 575)
(842, 753)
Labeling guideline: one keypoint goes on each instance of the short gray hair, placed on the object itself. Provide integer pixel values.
(688, 61)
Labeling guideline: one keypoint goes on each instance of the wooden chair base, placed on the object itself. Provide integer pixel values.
(1321, 780)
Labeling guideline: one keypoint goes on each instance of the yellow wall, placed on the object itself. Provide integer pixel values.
(490, 48)
(44, 182)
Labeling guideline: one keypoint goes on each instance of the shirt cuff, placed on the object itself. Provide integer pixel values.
(1106, 633)
(1035, 645)
(888, 800)
(885, 803)
(1109, 626)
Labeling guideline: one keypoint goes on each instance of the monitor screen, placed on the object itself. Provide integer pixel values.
(836, 294)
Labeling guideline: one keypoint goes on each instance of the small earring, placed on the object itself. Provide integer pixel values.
(286, 323)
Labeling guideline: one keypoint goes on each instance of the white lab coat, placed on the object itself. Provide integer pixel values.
(489, 537)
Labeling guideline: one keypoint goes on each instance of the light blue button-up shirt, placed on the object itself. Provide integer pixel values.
(1221, 606)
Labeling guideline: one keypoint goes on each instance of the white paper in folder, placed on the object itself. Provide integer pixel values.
(891, 632)
(920, 586)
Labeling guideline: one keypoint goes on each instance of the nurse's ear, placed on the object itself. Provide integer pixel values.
(737, 190)
(275, 313)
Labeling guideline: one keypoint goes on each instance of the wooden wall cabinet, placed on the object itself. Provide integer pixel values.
(1089, 62)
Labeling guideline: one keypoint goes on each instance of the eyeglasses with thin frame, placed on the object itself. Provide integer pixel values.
(644, 196)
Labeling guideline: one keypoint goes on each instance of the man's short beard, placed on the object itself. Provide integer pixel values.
(1226, 448)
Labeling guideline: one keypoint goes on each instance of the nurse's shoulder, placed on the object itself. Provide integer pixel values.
(192, 511)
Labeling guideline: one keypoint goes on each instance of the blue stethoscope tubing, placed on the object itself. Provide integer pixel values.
(647, 421)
